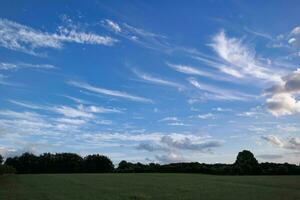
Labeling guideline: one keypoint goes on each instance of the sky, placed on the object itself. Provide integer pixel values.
(151, 81)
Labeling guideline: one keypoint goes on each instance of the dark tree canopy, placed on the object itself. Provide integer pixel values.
(246, 163)
(59, 163)
(97, 163)
(1, 159)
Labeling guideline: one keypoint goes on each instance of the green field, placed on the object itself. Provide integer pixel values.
(147, 186)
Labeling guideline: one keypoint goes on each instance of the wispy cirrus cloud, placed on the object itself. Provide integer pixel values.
(28, 105)
(178, 124)
(157, 80)
(173, 121)
(114, 93)
(23, 38)
(239, 60)
(68, 111)
(220, 93)
(4, 82)
(206, 116)
(185, 69)
(112, 25)
(77, 100)
(72, 112)
(168, 119)
(139, 36)
(259, 33)
(16, 66)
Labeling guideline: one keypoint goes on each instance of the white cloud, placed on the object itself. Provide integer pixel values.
(292, 143)
(288, 40)
(71, 121)
(260, 34)
(206, 116)
(169, 119)
(191, 70)
(295, 31)
(67, 35)
(79, 111)
(3, 81)
(282, 97)
(139, 36)
(108, 92)
(16, 66)
(170, 157)
(239, 60)
(99, 109)
(273, 140)
(157, 80)
(104, 122)
(19, 37)
(178, 124)
(19, 115)
(292, 40)
(72, 112)
(283, 104)
(172, 146)
(173, 121)
(219, 109)
(219, 93)
(28, 105)
(77, 100)
(188, 144)
(113, 25)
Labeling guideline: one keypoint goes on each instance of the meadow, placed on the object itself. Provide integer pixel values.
(145, 186)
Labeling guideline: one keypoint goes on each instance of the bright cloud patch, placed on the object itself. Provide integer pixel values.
(282, 97)
(19, 37)
(239, 59)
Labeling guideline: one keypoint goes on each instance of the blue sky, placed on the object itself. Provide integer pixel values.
(151, 81)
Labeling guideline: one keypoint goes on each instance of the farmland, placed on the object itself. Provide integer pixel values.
(147, 186)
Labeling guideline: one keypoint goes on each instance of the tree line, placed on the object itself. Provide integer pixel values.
(29, 163)
(245, 164)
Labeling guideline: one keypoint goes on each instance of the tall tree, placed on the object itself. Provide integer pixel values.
(246, 163)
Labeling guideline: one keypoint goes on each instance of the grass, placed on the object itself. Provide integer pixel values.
(147, 186)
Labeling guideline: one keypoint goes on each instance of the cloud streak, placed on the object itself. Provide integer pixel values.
(23, 38)
(107, 92)
(139, 36)
(185, 69)
(16, 66)
(219, 93)
(156, 80)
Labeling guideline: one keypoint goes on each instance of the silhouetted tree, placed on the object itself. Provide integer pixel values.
(246, 164)
(97, 164)
(67, 163)
(1, 159)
